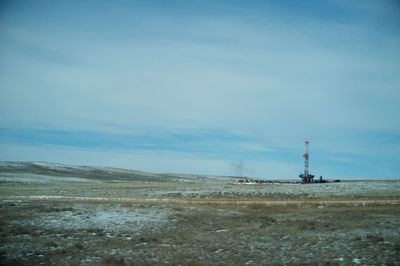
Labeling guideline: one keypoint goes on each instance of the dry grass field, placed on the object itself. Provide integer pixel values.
(53, 219)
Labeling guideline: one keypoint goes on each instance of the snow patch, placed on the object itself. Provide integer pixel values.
(40, 179)
(106, 218)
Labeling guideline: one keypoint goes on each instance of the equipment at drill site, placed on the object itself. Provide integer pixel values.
(306, 177)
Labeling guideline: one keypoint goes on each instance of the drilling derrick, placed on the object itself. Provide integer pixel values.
(306, 177)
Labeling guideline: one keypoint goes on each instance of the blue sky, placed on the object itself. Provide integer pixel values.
(197, 86)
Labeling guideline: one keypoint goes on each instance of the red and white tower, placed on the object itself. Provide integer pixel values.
(306, 177)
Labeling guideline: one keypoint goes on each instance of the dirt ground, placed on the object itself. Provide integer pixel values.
(149, 223)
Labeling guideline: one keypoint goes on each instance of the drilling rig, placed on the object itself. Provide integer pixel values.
(306, 177)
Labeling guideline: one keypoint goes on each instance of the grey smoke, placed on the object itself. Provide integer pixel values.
(238, 168)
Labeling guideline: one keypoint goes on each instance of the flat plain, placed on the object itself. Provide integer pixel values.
(63, 215)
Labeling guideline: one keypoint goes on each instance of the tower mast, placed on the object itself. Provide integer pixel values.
(306, 177)
(306, 155)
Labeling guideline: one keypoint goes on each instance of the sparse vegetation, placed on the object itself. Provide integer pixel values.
(198, 223)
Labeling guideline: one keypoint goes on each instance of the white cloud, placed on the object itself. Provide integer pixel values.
(262, 81)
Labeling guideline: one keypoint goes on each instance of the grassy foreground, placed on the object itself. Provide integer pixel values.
(63, 221)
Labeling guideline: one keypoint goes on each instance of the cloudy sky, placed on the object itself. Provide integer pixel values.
(203, 86)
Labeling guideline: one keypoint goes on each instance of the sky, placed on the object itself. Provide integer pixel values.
(203, 86)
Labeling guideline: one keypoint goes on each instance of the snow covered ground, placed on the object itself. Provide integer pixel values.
(39, 179)
(107, 218)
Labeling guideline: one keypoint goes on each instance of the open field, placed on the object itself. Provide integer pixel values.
(53, 216)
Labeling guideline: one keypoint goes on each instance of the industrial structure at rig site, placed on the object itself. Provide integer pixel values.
(306, 177)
